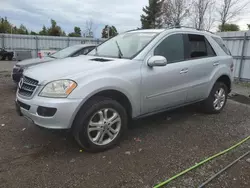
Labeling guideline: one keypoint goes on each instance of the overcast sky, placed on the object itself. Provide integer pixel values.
(124, 15)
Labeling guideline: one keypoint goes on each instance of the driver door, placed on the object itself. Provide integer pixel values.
(166, 86)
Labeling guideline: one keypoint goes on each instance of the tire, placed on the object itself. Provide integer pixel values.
(90, 111)
(209, 106)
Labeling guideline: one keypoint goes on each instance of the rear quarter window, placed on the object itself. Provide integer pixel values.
(222, 45)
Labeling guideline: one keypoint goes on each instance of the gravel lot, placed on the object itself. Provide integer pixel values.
(154, 149)
(6, 65)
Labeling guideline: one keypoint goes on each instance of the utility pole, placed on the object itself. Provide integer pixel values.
(11, 26)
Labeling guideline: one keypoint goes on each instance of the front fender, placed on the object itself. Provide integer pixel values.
(90, 87)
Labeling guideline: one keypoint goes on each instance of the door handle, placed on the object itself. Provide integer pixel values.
(183, 71)
(216, 64)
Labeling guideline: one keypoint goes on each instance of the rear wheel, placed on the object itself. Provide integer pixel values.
(217, 98)
(100, 124)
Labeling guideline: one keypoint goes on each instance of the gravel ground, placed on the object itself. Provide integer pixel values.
(154, 149)
(6, 65)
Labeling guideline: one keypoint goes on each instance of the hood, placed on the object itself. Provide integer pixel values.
(70, 68)
(34, 61)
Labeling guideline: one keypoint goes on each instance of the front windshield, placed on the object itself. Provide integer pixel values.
(66, 52)
(125, 45)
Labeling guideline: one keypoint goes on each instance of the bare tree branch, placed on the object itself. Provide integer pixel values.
(230, 9)
(200, 9)
(209, 19)
(175, 11)
(203, 16)
(89, 29)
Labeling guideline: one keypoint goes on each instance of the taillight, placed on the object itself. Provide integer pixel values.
(232, 67)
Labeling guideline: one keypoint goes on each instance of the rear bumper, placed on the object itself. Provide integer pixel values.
(62, 118)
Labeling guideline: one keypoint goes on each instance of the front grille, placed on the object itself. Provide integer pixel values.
(27, 86)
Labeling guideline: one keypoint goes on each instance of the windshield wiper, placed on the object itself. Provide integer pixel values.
(120, 55)
(96, 51)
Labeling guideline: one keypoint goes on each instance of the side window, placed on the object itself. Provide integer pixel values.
(199, 47)
(210, 50)
(172, 48)
(222, 45)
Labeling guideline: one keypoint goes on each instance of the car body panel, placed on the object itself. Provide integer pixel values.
(34, 61)
(149, 89)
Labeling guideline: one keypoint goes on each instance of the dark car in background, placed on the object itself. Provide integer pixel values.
(5, 55)
(71, 51)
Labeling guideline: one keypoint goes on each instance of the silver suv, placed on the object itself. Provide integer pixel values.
(135, 74)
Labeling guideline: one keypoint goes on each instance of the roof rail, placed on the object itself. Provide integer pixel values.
(175, 27)
(133, 30)
(179, 27)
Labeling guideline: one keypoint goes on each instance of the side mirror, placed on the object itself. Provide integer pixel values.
(157, 61)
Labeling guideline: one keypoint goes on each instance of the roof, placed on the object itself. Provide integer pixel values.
(147, 30)
(187, 29)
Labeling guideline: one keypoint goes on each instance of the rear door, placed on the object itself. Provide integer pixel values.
(202, 60)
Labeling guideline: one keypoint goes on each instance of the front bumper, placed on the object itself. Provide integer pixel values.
(62, 119)
(16, 76)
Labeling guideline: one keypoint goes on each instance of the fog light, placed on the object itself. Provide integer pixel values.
(46, 111)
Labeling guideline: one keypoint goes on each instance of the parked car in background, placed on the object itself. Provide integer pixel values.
(132, 75)
(44, 53)
(71, 51)
(5, 55)
(21, 55)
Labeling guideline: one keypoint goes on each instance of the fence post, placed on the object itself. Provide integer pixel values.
(68, 41)
(36, 38)
(242, 55)
(2, 40)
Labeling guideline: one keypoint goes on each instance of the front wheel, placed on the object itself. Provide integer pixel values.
(217, 98)
(100, 124)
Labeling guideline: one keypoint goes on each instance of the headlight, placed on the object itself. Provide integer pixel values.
(58, 89)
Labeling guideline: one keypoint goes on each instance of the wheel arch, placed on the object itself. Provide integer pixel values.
(226, 80)
(114, 94)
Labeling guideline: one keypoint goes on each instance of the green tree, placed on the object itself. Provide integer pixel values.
(151, 16)
(109, 31)
(229, 27)
(248, 25)
(63, 34)
(55, 30)
(14, 30)
(33, 33)
(44, 31)
(22, 30)
(76, 33)
(5, 26)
